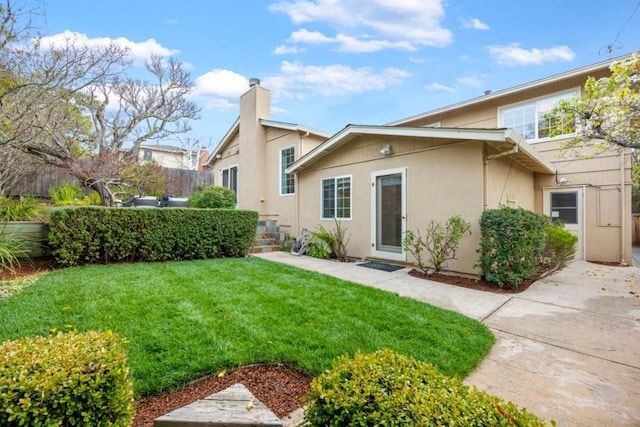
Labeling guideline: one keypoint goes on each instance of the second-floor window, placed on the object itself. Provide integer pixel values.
(287, 180)
(528, 119)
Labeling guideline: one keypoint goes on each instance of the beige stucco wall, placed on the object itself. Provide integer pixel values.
(600, 175)
(283, 208)
(509, 184)
(442, 180)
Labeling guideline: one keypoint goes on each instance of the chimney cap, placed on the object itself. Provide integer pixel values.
(254, 82)
(487, 92)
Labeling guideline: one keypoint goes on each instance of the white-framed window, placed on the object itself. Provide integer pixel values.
(528, 119)
(230, 179)
(287, 180)
(336, 197)
(147, 155)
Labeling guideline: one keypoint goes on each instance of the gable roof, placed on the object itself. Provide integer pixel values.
(235, 129)
(502, 139)
(505, 92)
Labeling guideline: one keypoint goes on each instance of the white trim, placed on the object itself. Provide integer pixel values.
(335, 178)
(575, 91)
(392, 256)
(280, 171)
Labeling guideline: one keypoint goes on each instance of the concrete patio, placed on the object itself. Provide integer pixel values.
(567, 349)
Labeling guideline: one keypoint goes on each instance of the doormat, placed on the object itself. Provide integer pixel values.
(381, 266)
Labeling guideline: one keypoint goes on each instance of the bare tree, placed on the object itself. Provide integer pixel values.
(14, 164)
(75, 107)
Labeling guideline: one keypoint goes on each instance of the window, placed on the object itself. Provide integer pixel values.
(287, 180)
(564, 207)
(230, 179)
(528, 119)
(146, 155)
(193, 160)
(336, 198)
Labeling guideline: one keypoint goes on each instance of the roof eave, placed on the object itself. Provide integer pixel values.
(225, 140)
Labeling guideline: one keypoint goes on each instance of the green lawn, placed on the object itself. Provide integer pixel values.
(192, 318)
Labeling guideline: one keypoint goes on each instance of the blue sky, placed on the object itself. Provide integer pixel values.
(329, 63)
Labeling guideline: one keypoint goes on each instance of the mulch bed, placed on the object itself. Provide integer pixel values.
(477, 284)
(279, 387)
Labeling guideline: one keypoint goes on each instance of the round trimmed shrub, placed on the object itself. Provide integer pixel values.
(389, 389)
(70, 379)
(213, 197)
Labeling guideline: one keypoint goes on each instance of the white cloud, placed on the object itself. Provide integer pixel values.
(439, 87)
(221, 83)
(389, 24)
(139, 52)
(514, 55)
(285, 50)
(312, 37)
(297, 80)
(416, 60)
(474, 24)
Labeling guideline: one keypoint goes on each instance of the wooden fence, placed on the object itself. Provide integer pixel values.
(635, 237)
(180, 182)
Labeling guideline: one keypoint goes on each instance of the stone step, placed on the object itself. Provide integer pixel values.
(230, 407)
(264, 242)
(264, 248)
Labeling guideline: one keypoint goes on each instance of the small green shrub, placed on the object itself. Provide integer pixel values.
(440, 242)
(87, 235)
(511, 245)
(65, 194)
(334, 242)
(91, 199)
(318, 249)
(388, 389)
(12, 250)
(559, 247)
(22, 209)
(69, 379)
(213, 197)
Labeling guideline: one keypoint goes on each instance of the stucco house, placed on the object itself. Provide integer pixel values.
(462, 159)
(170, 156)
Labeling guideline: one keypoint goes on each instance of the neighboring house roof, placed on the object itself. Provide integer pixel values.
(235, 128)
(505, 140)
(505, 92)
(163, 147)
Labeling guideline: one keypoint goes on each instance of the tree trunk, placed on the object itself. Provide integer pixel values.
(106, 196)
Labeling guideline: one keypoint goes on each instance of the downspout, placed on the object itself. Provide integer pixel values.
(623, 229)
(485, 179)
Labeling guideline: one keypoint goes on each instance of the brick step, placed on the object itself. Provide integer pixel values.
(264, 241)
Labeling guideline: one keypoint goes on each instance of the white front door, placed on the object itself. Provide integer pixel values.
(388, 214)
(567, 205)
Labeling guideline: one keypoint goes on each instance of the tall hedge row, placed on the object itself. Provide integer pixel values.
(100, 235)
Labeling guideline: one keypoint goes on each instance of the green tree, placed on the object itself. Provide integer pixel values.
(609, 112)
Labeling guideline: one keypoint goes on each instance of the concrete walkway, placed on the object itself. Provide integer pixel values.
(567, 349)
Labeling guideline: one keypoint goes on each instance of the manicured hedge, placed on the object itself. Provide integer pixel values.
(69, 379)
(511, 244)
(101, 235)
(388, 389)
